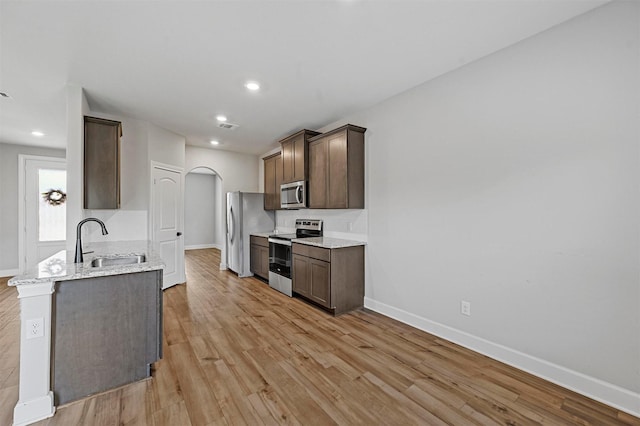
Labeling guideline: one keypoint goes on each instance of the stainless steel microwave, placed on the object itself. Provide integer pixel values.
(293, 195)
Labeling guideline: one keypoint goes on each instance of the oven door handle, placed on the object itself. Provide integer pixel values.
(281, 242)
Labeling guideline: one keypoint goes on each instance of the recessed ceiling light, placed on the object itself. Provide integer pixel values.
(37, 133)
(214, 142)
(221, 118)
(252, 85)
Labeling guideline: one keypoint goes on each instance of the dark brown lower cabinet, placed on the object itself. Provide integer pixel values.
(259, 261)
(313, 279)
(330, 278)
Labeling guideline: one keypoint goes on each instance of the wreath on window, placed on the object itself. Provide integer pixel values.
(54, 197)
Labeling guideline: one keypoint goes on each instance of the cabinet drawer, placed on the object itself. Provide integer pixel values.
(311, 251)
(261, 241)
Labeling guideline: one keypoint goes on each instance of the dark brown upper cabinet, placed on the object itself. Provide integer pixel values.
(101, 163)
(336, 169)
(272, 181)
(295, 156)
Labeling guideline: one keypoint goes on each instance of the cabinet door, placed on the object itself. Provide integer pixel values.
(318, 174)
(288, 171)
(272, 178)
(269, 182)
(300, 277)
(259, 260)
(263, 253)
(279, 181)
(294, 160)
(254, 259)
(320, 281)
(101, 163)
(337, 194)
(299, 159)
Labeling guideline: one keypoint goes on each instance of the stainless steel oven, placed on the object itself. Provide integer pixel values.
(280, 256)
(293, 195)
(280, 263)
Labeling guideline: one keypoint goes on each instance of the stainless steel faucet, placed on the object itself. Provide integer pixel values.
(79, 258)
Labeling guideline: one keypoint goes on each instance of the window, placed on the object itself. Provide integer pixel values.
(52, 208)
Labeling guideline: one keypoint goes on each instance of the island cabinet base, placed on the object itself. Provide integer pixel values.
(107, 331)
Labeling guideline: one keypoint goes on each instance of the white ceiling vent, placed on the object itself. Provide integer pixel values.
(228, 126)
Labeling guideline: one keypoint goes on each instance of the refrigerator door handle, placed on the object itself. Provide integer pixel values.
(232, 227)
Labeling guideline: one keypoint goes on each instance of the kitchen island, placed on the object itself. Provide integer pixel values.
(87, 327)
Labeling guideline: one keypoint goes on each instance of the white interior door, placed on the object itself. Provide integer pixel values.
(167, 223)
(44, 188)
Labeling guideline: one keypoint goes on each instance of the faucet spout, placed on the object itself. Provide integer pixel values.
(78, 257)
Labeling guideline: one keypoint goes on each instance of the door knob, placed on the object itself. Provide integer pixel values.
(179, 233)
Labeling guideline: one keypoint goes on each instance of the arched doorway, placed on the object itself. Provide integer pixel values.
(204, 210)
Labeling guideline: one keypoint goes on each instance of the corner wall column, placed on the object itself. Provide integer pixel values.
(35, 400)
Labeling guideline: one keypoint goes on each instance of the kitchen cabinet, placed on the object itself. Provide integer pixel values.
(259, 253)
(295, 156)
(330, 278)
(336, 169)
(101, 163)
(272, 181)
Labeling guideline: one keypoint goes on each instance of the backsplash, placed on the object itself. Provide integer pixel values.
(347, 224)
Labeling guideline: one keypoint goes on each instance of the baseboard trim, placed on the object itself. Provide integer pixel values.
(33, 410)
(203, 246)
(607, 393)
(9, 272)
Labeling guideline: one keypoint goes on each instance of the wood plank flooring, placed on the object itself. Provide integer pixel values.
(238, 353)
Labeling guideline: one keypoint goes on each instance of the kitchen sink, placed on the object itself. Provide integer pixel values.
(129, 259)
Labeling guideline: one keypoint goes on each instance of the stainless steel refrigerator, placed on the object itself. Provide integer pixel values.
(245, 214)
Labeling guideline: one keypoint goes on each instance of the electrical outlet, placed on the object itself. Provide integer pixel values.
(35, 328)
(465, 308)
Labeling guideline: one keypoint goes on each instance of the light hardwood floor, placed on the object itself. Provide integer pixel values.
(237, 352)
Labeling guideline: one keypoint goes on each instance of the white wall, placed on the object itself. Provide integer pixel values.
(141, 143)
(349, 224)
(166, 147)
(77, 108)
(129, 222)
(239, 172)
(200, 199)
(512, 183)
(9, 205)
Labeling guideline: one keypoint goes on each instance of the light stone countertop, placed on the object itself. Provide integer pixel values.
(60, 266)
(262, 234)
(328, 242)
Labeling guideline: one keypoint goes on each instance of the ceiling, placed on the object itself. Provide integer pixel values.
(178, 64)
